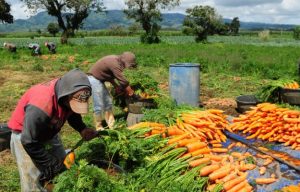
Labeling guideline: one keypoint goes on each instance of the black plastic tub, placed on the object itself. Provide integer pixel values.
(5, 134)
(136, 107)
(245, 102)
(290, 96)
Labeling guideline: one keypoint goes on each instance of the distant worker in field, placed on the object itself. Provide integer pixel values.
(51, 47)
(10, 46)
(36, 49)
(109, 69)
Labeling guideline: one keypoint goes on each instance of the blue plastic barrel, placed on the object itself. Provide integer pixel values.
(184, 83)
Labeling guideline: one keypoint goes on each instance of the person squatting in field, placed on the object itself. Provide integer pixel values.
(35, 49)
(51, 47)
(38, 118)
(109, 69)
(10, 46)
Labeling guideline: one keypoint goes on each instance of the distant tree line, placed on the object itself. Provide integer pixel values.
(201, 21)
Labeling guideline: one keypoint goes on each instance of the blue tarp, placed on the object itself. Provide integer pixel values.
(286, 175)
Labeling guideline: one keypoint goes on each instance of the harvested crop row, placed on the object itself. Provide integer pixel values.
(268, 122)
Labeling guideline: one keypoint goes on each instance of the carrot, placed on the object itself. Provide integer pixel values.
(211, 187)
(219, 150)
(273, 175)
(291, 120)
(214, 157)
(229, 177)
(214, 142)
(209, 169)
(262, 170)
(156, 131)
(247, 167)
(195, 146)
(267, 161)
(247, 188)
(230, 184)
(217, 145)
(261, 181)
(230, 146)
(177, 138)
(237, 187)
(184, 142)
(198, 162)
(263, 156)
(197, 152)
(220, 173)
(171, 131)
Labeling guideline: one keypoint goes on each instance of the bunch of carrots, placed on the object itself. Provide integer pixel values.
(292, 85)
(199, 134)
(203, 125)
(269, 122)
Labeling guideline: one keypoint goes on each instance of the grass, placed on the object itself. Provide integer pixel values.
(227, 69)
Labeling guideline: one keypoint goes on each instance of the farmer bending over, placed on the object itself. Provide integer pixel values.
(109, 69)
(51, 47)
(11, 47)
(36, 49)
(38, 118)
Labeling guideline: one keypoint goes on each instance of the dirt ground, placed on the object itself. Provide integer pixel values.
(228, 105)
(5, 157)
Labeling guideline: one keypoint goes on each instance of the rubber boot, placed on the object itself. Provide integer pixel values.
(98, 122)
(110, 119)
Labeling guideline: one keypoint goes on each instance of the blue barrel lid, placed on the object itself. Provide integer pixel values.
(184, 65)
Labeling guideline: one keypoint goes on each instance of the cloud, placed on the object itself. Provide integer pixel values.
(265, 11)
(114, 4)
(239, 3)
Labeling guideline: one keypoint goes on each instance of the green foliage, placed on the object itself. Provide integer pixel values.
(53, 28)
(235, 25)
(141, 81)
(5, 15)
(76, 10)
(9, 178)
(148, 14)
(84, 178)
(296, 33)
(167, 111)
(122, 146)
(271, 91)
(116, 30)
(38, 67)
(203, 21)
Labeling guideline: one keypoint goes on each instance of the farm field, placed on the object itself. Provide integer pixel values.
(229, 67)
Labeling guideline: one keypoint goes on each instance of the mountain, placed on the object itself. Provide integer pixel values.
(117, 17)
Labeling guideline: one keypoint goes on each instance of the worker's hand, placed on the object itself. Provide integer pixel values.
(129, 91)
(118, 90)
(69, 159)
(88, 134)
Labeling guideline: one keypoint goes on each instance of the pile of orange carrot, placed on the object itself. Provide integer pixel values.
(203, 125)
(292, 85)
(269, 122)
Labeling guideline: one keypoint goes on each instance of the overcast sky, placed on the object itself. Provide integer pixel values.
(265, 11)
